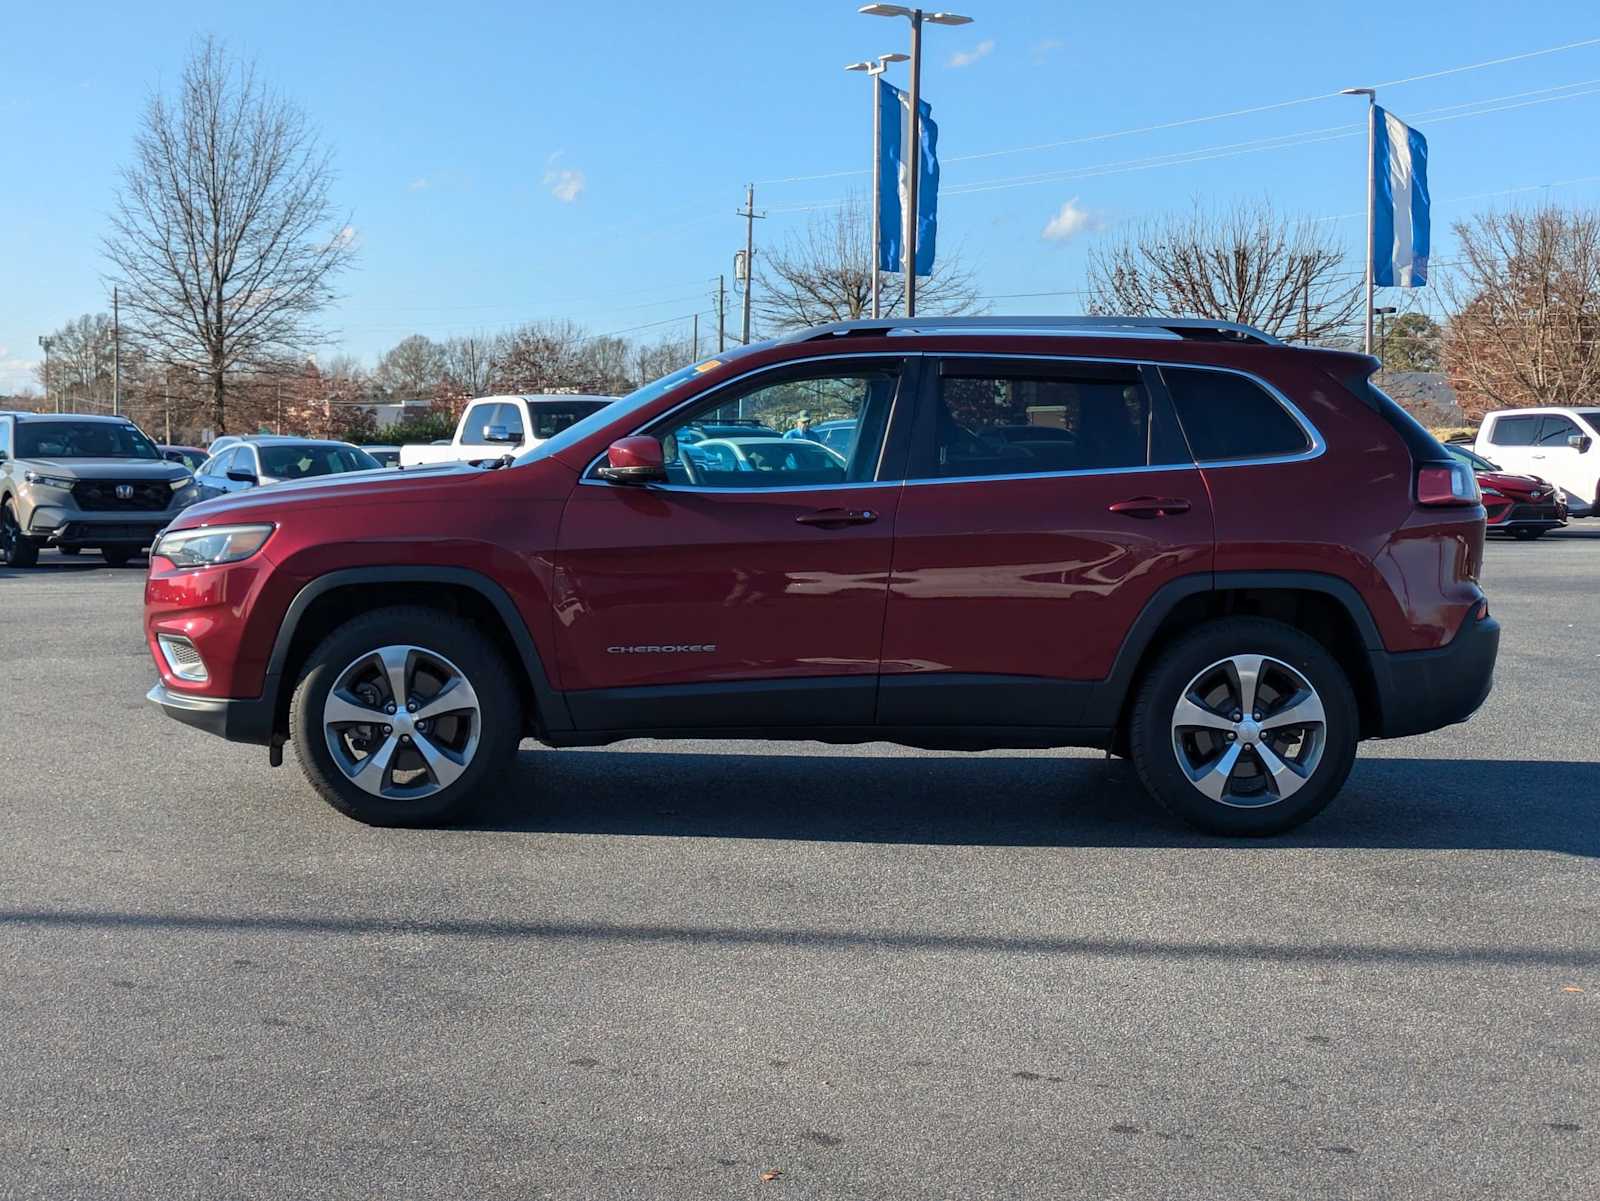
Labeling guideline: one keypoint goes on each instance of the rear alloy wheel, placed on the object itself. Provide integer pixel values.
(404, 717)
(16, 548)
(1245, 727)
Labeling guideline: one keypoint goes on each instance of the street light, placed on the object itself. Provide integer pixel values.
(873, 70)
(47, 342)
(1383, 335)
(914, 141)
(1372, 133)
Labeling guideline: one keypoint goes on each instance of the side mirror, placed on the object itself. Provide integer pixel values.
(498, 433)
(242, 477)
(1580, 442)
(637, 460)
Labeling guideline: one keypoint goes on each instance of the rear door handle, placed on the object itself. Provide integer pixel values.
(1151, 506)
(833, 519)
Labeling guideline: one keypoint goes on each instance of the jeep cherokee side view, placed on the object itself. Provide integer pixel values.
(73, 481)
(1226, 558)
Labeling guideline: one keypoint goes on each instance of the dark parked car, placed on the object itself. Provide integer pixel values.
(1181, 580)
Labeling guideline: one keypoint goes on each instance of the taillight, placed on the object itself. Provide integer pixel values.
(1447, 484)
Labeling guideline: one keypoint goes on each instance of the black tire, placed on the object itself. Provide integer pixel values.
(69, 550)
(1526, 535)
(117, 556)
(16, 548)
(436, 632)
(1151, 734)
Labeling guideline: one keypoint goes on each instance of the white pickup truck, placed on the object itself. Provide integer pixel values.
(492, 426)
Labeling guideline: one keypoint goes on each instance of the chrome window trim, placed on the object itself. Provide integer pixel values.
(1318, 445)
(730, 382)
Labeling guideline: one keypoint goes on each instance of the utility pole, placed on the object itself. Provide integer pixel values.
(750, 215)
(46, 342)
(116, 357)
(722, 313)
(280, 407)
(694, 343)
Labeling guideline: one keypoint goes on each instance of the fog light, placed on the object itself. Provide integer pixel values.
(183, 658)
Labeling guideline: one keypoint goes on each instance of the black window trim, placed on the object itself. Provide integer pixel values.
(896, 436)
(1148, 368)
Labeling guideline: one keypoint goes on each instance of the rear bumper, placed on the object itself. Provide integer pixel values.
(236, 720)
(1420, 691)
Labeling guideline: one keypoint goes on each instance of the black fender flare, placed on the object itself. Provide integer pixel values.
(552, 708)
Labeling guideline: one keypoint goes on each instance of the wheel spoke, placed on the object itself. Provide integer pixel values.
(395, 660)
(1213, 781)
(373, 771)
(341, 709)
(455, 696)
(1247, 673)
(442, 766)
(1304, 710)
(1189, 715)
(1285, 779)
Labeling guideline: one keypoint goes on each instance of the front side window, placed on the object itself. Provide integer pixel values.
(1555, 431)
(82, 440)
(1001, 422)
(480, 418)
(1230, 417)
(1514, 431)
(5, 438)
(767, 435)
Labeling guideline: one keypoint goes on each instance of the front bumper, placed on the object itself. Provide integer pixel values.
(1546, 516)
(248, 720)
(1420, 691)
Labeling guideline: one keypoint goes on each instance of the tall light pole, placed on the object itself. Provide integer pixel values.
(46, 341)
(875, 68)
(1372, 135)
(913, 143)
(1383, 331)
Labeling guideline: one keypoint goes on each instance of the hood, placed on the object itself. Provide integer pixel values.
(109, 469)
(1520, 487)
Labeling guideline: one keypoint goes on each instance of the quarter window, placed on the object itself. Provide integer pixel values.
(999, 422)
(1514, 431)
(1228, 417)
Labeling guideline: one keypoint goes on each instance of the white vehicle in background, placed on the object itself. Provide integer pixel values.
(1558, 444)
(493, 426)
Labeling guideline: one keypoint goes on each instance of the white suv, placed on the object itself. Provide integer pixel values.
(1561, 445)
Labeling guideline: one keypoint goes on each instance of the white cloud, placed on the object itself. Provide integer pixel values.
(565, 183)
(1071, 221)
(965, 58)
(1042, 50)
(416, 185)
(16, 374)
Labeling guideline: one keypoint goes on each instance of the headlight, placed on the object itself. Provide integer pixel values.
(207, 547)
(49, 481)
(1492, 492)
(183, 481)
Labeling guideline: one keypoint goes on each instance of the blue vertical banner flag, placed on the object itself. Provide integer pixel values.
(1399, 204)
(893, 180)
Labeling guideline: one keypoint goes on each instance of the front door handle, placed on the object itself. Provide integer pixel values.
(1146, 507)
(834, 519)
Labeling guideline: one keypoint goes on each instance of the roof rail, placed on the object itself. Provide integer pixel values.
(1187, 328)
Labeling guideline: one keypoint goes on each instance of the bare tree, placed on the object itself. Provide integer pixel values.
(825, 274)
(1526, 297)
(224, 240)
(1245, 264)
(469, 363)
(546, 356)
(412, 368)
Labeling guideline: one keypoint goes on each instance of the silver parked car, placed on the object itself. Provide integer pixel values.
(82, 481)
(269, 459)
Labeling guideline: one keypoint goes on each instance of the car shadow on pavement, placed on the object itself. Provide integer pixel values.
(1027, 800)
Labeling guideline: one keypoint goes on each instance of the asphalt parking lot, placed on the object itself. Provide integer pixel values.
(665, 970)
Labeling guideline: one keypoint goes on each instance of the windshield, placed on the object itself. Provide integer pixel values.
(82, 440)
(303, 461)
(1477, 462)
(630, 403)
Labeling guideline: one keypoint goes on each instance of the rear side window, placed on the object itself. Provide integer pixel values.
(550, 419)
(990, 421)
(1514, 431)
(1593, 418)
(1229, 417)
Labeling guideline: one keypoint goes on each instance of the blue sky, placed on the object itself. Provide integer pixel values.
(504, 162)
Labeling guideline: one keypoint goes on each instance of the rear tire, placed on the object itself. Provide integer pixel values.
(117, 556)
(16, 548)
(1281, 772)
(68, 550)
(446, 764)
(1527, 535)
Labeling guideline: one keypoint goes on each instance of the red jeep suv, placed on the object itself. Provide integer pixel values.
(1184, 542)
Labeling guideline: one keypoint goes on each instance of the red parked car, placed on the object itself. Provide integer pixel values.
(1524, 506)
(1184, 542)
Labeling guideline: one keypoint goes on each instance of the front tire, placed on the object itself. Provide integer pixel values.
(1526, 535)
(405, 717)
(16, 548)
(68, 550)
(1244, 727)
(116, 556)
